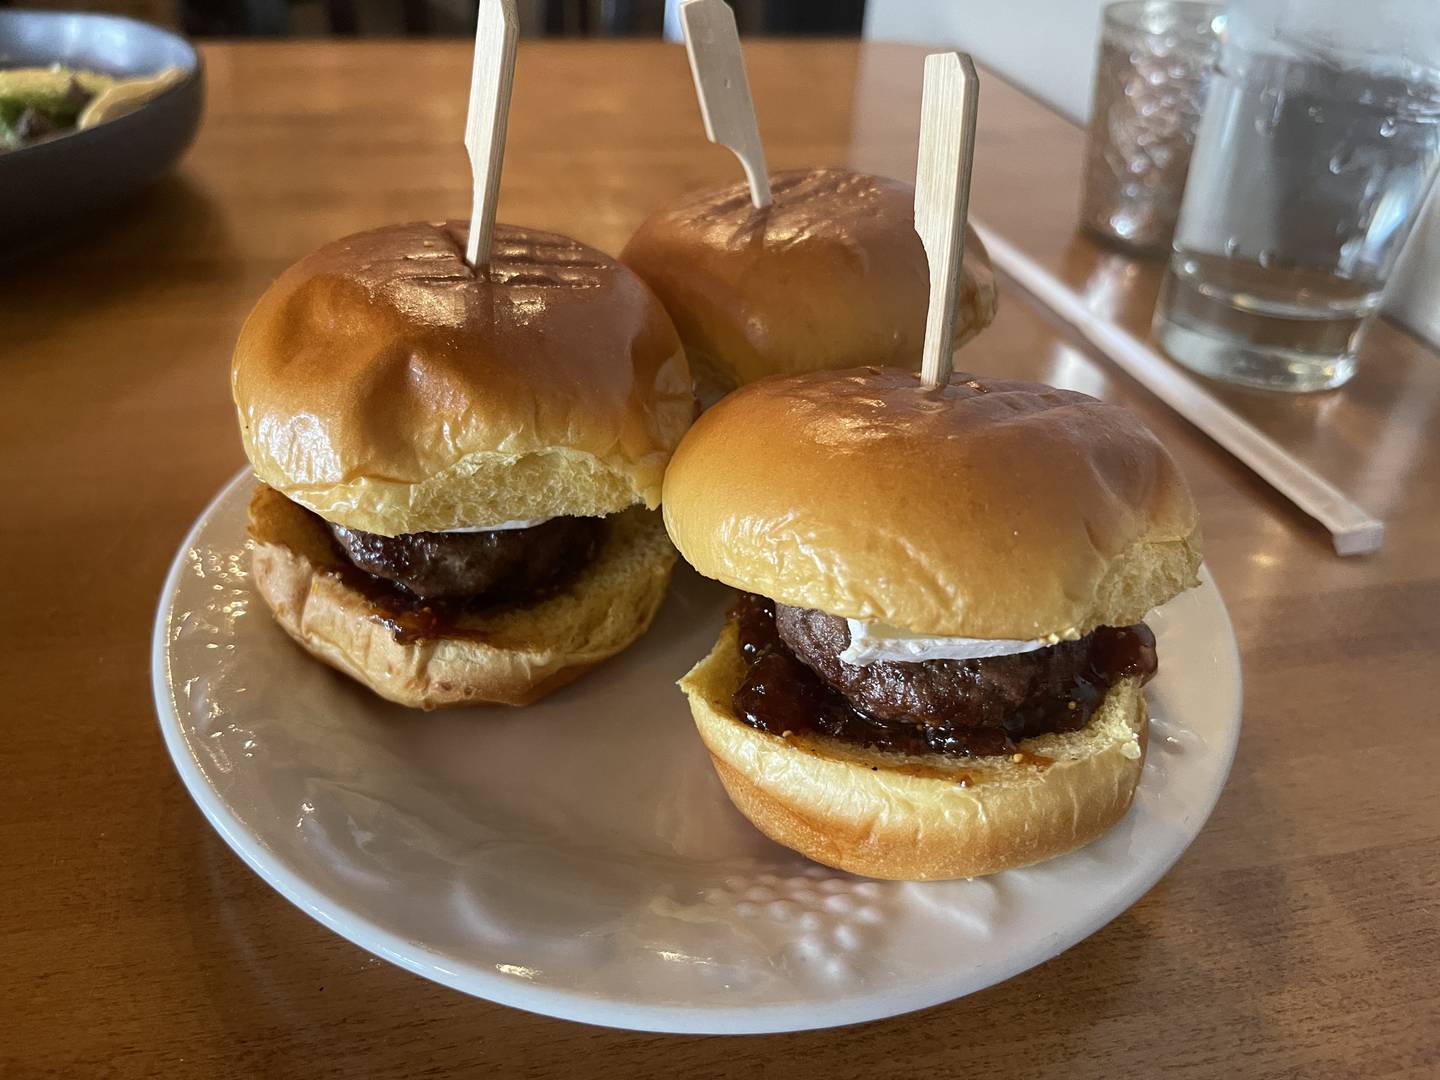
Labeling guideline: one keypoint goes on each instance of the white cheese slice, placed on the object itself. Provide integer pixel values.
(873, 642)
(504, 526)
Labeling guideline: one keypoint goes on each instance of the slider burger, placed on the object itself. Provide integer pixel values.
(934, 669)
(831, 275)
(458, 473)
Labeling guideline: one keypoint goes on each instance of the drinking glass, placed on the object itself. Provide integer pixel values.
(1319, 143)
(1149, 88)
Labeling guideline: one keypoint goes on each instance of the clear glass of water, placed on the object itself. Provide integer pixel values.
(1149, 89)
(1319, 143)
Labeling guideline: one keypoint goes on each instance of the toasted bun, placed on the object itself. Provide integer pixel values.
(386, 387)
(990, 509)
(510, 657)
(920, 818)
(831, 275)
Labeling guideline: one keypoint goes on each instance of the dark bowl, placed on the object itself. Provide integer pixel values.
(60, 184)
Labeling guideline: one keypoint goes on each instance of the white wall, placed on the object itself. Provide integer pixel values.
(1415, 295)
(1048, 47)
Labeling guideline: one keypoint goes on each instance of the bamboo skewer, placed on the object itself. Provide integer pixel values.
(491, 78)
(713, 45)
(949, 105)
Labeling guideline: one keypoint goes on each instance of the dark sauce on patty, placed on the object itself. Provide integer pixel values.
(781, 694)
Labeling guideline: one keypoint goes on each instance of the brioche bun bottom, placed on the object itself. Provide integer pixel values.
(509, 656)
(926, 818)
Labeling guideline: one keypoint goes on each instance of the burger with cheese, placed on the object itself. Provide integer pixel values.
(935, 667)
(459, 470)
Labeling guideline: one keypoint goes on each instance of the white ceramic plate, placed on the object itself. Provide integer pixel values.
(579, 858)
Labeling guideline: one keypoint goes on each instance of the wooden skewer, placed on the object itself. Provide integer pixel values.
(493, 74)
(948, 108)
(713, 45)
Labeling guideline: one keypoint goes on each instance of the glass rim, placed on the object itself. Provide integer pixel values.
(1126, 14)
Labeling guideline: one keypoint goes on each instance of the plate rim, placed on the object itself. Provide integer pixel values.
(580, 1006)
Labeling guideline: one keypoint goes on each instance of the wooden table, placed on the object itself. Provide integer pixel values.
(1297, 938)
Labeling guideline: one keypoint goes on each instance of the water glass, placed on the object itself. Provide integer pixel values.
(1319, 143)
(1149, 88)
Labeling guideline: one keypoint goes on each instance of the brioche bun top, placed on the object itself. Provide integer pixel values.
(984, 509)
(831, 275)
(385, 385)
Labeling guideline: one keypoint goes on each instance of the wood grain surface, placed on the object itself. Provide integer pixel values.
(1297, 937)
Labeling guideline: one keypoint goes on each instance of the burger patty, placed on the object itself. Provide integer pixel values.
(797, 682)
(505, 565)
(962, 693)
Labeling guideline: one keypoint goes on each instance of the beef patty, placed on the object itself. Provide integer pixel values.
(958, 692)
(796, 682)
(505, 565)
